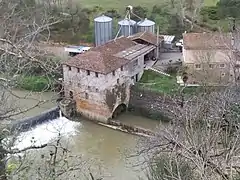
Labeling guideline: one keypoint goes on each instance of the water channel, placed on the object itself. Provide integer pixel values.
(106, 147)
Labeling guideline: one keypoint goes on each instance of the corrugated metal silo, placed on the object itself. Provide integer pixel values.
(146, 25)
(127, 27)
(103, 29)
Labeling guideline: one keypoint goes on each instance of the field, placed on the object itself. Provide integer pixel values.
(210, 2)
(121, 4)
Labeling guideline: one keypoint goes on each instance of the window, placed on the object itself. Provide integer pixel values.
(89, 87)
(117, 80)
(223, 74)
(211, 66)
(88, 72)
(97, 90)
(198, 66)
(135, 63)
(86, 95)
(113, 73)
(96, 74)
(71, 94)
(121, 68)
(78, 70)
(113, 91)
(222, 65)
(69, 68)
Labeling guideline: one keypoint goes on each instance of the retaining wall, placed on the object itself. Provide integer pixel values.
(30, 122)
(151, 104)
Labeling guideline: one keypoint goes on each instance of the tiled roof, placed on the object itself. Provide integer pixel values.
(147, 36)
(206, 41)
(101, 58)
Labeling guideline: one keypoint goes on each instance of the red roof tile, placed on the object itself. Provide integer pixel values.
(100, 59)
(148, 37)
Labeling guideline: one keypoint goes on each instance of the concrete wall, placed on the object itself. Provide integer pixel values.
(30, 122)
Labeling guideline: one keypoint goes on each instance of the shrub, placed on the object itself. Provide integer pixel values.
(210, 12)
(172, 70)
(166, 168)
(34, 83)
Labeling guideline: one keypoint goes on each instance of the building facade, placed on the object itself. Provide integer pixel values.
(99, 80)
(208, 58)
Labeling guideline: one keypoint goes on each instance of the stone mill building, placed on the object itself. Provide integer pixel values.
(99, 81)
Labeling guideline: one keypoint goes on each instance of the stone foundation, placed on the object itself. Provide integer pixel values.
(67, 107)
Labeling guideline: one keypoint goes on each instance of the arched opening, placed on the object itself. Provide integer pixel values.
(120, 109)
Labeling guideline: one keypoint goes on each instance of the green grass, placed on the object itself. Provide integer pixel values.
(210, 2)
(158, 82)
(34, 83)
(165, 84)
(120, 5)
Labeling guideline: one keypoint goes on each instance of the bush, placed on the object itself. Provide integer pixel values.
(210, 12)
(34, 83)
(172, 70)
(166, 168)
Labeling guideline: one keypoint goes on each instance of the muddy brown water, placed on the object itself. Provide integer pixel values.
(107, 148)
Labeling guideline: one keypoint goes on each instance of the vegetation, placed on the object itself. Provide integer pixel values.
(120, 5)
(165, 84)
(203, 139)
(200, 137)
(157, 82)
(164, 168)
(35, 83)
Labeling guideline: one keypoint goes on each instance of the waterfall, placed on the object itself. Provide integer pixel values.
(60, 113)
(50, 129)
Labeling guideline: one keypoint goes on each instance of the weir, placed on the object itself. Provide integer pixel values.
(30, 122)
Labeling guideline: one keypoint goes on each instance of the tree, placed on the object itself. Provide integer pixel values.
(166, 168)
(204, 133)
(229, 8)
(113, 13)
(139, 12)
(24, 26)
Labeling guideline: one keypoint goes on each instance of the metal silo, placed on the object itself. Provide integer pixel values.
(127, 27)
(146, 25)
(103, 29)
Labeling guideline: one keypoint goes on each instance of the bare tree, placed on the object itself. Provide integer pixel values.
(24, 25)
(204, 133)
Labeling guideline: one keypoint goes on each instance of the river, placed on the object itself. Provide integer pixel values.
(106, 147)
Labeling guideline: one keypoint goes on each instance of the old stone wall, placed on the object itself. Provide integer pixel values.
(151, 104)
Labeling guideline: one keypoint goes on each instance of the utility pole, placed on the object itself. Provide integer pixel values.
(157, 42)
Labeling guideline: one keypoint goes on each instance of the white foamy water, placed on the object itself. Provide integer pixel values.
(46, 133)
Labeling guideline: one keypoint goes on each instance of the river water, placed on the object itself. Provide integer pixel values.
(106, 148)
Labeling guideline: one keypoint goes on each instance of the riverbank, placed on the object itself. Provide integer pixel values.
(101, 146)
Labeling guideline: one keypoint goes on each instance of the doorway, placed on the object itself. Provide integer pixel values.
(136, 77)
